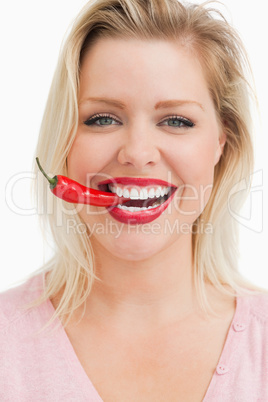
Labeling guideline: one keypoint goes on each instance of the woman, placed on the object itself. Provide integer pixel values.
(142, 301)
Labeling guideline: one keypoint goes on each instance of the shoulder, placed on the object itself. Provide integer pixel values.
(252, 313)
(258, 307)
(14, 303)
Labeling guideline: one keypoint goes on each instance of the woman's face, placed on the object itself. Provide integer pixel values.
(145, 113)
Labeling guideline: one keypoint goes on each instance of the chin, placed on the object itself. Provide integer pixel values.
(132, 246)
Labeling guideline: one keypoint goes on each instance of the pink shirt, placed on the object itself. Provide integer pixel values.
(44, 367)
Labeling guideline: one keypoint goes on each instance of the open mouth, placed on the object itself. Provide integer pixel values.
(141, 198)
(147, 198)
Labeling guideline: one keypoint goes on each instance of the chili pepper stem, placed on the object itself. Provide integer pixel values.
(52, 181)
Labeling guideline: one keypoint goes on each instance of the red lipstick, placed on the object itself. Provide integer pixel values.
(146, 208)
(145, 181)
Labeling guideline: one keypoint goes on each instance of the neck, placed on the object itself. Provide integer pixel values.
(156, 290)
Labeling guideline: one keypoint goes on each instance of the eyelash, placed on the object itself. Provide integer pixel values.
(93, 119)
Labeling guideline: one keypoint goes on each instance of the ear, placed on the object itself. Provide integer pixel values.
(220, 147)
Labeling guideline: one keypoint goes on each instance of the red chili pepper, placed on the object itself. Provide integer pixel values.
(71, 191)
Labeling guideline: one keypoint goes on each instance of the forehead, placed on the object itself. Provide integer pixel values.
(158, 69)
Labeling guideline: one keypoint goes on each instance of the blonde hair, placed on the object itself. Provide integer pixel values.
(205, 32)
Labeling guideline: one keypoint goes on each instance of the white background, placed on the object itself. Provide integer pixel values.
(31, 33)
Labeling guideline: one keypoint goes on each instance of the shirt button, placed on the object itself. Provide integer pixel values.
(239, 326)
(222, 369)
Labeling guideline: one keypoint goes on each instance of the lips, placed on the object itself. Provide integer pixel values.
(148, 198)
(146, 181)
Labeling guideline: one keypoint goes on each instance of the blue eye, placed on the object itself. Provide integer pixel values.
(108, 120)
(177, 121)
(101, 120)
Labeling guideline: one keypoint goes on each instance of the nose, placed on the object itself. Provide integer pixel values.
(139, 148)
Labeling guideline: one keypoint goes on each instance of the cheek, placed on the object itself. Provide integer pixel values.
(193, 163)
(194, 160)
(86, 158)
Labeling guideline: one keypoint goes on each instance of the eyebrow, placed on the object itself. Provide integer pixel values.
(108, 101)
(175, 102)
(159, 105)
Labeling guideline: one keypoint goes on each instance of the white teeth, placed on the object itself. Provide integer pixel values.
(134, 194)
(158, 192)
(119, 191)
(135, 209)
(151, 193)
(113, 189)
(126, 193)
(142, 193)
